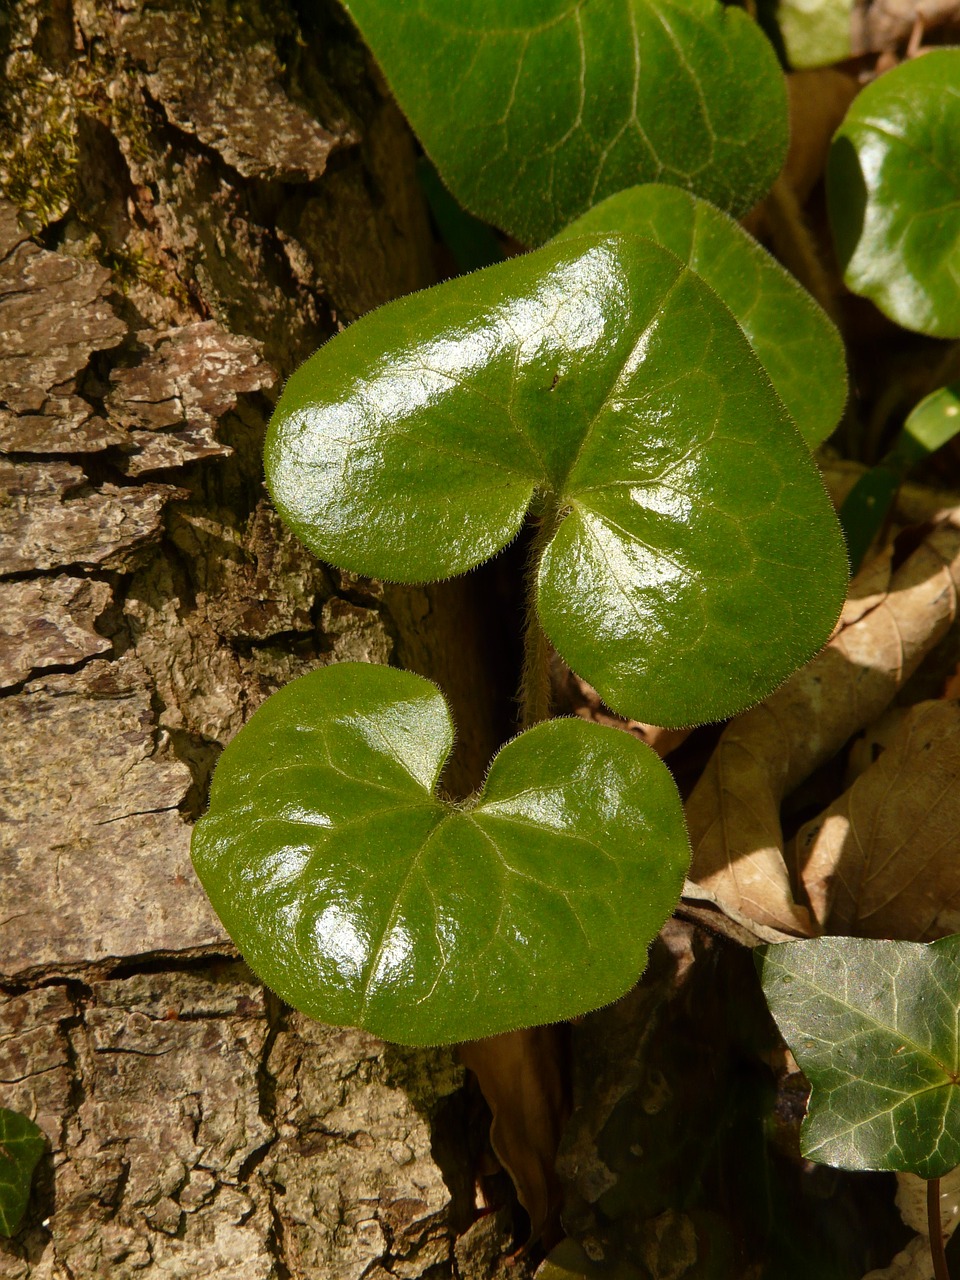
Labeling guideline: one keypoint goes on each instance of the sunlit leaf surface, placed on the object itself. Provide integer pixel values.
(364, 899)
(697, 560)
(874, 1025)
(893, 183)
(532, 110)
(794, 340)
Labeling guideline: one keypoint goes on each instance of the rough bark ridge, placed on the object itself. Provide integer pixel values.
(192, 197)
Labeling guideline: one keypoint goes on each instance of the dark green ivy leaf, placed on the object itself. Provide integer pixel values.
(364, 899)
(21, 1145)
(533, 110)
(874, 1026)
(696, 560)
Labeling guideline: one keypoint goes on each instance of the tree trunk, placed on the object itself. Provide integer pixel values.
(192, 198)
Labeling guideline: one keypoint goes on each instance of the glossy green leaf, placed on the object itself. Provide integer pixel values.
(697, 560)
(893, 183)
(792, 337)
(472, 243)
(533, 110)
(364, 899)
(874, 1026)
(21, 1145)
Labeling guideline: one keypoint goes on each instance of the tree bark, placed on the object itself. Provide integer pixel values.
(192, 198)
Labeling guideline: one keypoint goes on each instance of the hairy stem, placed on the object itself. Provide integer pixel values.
(935, 1230)
(796, 247)
(535, 691)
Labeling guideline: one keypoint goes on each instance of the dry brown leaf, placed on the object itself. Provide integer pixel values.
(699, 906)
(885, 631)
(884, 26)
(866, 749)
(818, 99)
(882, 862)
(521, 1076)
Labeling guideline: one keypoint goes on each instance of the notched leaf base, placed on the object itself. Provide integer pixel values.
(700, 562)
(364, 900)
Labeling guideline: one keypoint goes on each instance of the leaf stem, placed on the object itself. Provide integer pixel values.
(796, 247)
(535, 696)
(935, 1231)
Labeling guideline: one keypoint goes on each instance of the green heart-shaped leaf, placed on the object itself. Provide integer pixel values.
(532, 110)
(697, 561)
(21, 1145)
(874, 1026)
(893, 184)
(365, 900)
(792, 337)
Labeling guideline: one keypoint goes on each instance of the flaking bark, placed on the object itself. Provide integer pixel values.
(192, 198)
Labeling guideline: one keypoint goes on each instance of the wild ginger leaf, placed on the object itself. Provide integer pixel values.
(893, 184)
(873, 1025)
(532, 110)
(696, 560)
(794, 340)
(363, 899)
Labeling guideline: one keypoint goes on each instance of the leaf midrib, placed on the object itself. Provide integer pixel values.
(879, 1026)
(564, 493)
(443, 818)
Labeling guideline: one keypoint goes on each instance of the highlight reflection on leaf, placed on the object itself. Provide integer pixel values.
(365, 900)
(697, 560)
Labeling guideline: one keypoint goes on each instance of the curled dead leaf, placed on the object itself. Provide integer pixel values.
(699, 906)
(522, 1078)
(881, 862)
(887, 627)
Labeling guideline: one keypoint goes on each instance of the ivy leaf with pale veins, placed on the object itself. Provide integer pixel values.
(893, 186)
(533, 110)
(363, 899)
(874, 1026)
(21, 1145)
(696, 559)
(792, 337)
